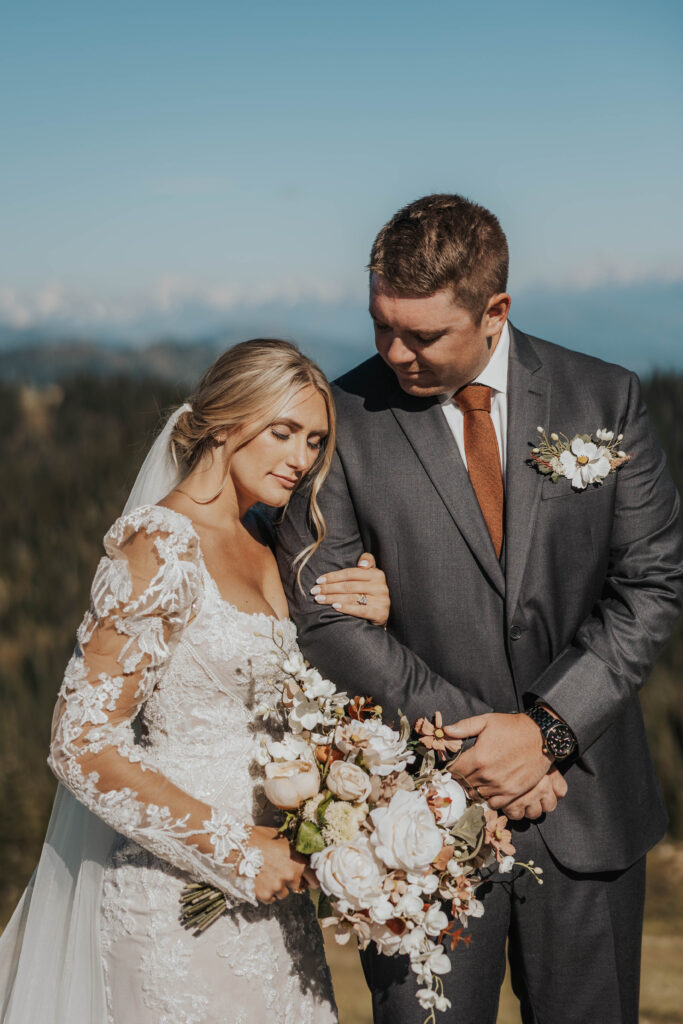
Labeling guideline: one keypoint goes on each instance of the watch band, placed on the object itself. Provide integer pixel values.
(558, 739)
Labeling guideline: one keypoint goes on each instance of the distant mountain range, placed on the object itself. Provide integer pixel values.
(639, 325)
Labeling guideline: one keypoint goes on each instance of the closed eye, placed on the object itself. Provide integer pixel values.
(315, 445)
(427, 339)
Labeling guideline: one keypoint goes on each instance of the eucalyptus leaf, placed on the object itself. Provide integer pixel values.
(309, 839)
(469, 827)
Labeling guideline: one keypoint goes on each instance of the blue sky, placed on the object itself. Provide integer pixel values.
(228, 153)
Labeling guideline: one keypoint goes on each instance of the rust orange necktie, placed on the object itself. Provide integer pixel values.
(483, 457)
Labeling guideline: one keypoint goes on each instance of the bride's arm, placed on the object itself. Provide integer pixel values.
(143, 596)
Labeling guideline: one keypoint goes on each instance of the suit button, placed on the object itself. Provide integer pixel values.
(515, 632)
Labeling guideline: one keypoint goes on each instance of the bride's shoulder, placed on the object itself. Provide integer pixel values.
(152, 526)
(152, 559)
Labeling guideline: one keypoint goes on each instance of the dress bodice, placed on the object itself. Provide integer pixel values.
(160, 653)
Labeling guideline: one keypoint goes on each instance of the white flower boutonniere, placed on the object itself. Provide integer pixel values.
(580, 459)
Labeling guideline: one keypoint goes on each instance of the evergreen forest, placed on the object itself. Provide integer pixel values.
(70, 452)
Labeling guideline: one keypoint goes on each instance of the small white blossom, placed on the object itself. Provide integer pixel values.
(604, 435)
(506, 865)
(584, 463)
(305, 714)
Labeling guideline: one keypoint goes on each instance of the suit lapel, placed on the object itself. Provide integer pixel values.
(528, 407)
(424, 425)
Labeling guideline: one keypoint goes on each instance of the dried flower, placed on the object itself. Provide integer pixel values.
(434, 738)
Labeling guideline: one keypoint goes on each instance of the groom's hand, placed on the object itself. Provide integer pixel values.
(542, 799)
(507, 759)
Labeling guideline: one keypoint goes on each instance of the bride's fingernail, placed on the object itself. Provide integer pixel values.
(321, 579)
(364, 565)
(320, 598)
(315, 590)
(337, 606)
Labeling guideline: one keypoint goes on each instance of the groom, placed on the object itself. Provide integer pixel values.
(526, 609)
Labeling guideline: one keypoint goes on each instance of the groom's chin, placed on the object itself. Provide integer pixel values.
(417, 390)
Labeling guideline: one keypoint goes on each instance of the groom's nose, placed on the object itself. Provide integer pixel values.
(398, 353)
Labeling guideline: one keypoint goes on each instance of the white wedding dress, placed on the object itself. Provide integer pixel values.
(155, 732)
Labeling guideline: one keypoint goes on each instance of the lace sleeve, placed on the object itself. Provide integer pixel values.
(144, 593)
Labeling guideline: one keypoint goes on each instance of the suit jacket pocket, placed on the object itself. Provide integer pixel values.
(563, 488)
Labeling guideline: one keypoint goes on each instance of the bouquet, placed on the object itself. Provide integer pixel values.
(392, 836)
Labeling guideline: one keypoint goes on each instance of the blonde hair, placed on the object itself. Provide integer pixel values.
(242, 393)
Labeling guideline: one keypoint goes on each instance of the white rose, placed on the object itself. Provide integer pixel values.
(350, 873)
(453, 795)
(348, 781)
(289, 783)
(384, 752)
(406, 835)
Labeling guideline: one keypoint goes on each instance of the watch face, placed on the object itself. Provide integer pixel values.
(560, 740)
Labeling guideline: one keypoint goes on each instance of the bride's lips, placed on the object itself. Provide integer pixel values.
(286, 481)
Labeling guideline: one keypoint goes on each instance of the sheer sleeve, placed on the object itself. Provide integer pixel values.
(146, 590)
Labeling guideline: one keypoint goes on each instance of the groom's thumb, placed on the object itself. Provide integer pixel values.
(466, 727)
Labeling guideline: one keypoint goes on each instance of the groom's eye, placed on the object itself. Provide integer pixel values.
(427, 339)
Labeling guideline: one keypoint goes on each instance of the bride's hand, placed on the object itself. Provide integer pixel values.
(283, 868)
(361, 592)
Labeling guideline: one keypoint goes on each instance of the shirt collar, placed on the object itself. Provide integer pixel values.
(495, 373)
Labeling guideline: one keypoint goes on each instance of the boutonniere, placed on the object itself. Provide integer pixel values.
(580, 459)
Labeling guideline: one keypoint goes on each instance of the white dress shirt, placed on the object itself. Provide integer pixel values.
(495, 376)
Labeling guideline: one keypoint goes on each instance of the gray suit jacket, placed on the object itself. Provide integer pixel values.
(590, 586)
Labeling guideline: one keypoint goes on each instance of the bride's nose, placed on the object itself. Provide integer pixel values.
(299, 456)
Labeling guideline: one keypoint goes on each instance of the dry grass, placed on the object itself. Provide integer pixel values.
(662, 975)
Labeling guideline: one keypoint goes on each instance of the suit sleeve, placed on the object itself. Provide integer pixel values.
(358, 657)
(615, 648)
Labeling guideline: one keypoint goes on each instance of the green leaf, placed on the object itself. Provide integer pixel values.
(322, 807)
(468, 829)
(586, 437)
(543, 469)
(309, 839)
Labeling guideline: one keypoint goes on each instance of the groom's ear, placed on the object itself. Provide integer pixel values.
(496, 313)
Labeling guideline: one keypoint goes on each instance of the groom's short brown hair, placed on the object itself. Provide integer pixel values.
(443, 241)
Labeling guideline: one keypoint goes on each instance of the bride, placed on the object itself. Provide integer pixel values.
(155, 731)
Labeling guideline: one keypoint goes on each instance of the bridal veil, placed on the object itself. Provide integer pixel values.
(50, 963)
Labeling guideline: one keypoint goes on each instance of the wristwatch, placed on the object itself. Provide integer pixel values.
(558, 739)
